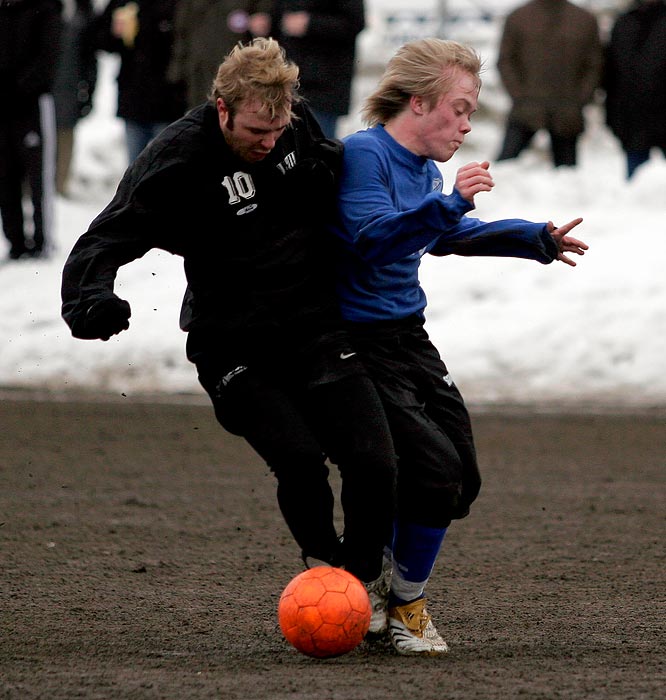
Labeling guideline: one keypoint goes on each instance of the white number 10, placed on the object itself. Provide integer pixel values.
(240, 185)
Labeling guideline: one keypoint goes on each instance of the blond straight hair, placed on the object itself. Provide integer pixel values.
(424, 68)
(257, 71)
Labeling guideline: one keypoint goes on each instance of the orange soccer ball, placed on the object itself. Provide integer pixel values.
(324, 612)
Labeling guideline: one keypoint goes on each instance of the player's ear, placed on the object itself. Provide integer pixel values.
(417, 104)
(222, 112)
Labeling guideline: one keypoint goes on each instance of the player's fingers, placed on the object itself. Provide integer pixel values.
(563, 258)
(476, 178)
(464, 170)
(568, 226)
(572, 249)
(569, 241)
(471, 169)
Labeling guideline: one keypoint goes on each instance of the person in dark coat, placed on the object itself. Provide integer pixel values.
(205, 31)
(550, 60)
(142, 34)
(29, 39)
(76, 78)
(320, 37)
(635, 81)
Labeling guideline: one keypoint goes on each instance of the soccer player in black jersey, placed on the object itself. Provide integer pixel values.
(239, 187)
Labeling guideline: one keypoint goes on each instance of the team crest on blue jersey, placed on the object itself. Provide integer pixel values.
(437, 184)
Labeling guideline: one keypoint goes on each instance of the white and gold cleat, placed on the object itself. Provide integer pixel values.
(411, 630)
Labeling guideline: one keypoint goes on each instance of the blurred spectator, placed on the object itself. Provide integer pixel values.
(205, 31)
(320, 37)
(635, 81)
(75, 81)
(142, 34)
(29, 39)
(550, 61)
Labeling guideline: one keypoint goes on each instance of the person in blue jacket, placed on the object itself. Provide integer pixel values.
(391, 212)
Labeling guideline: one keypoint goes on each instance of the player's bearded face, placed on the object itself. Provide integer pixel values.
(250, 132)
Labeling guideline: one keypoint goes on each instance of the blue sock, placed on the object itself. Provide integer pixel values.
(415, 550)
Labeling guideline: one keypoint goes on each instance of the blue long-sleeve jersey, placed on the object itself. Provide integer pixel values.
(392, 212)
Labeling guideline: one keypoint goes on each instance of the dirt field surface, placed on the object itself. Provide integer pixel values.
(142, 555)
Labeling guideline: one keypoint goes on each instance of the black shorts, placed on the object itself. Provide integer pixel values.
(438, 475)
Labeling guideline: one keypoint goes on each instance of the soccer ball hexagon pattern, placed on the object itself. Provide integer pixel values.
(324, 612)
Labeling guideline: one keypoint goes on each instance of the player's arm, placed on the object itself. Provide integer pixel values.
(370, 221)
(510, 238)
(89, 305)
(514, 238)
(506, 238)
(131, 225)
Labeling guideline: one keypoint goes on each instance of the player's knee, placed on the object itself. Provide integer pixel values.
(377, 469)
(434, 506)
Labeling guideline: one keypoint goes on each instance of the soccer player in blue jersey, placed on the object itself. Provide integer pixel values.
(392, 212)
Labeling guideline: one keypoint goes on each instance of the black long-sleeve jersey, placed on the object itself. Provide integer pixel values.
(252, 236)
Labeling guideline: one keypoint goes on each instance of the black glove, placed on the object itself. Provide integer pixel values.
(103, 319)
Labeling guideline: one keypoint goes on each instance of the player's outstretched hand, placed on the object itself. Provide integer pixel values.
(103, 319)
(472, 179)
(566, 243)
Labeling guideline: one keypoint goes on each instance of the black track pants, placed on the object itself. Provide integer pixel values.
(295, 431)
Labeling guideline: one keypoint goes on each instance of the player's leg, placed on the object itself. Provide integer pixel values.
(429, 493)
(429, 488)
(407, 371)
(347, 414)
(433, 437)
(248, 405)
(351, 422)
